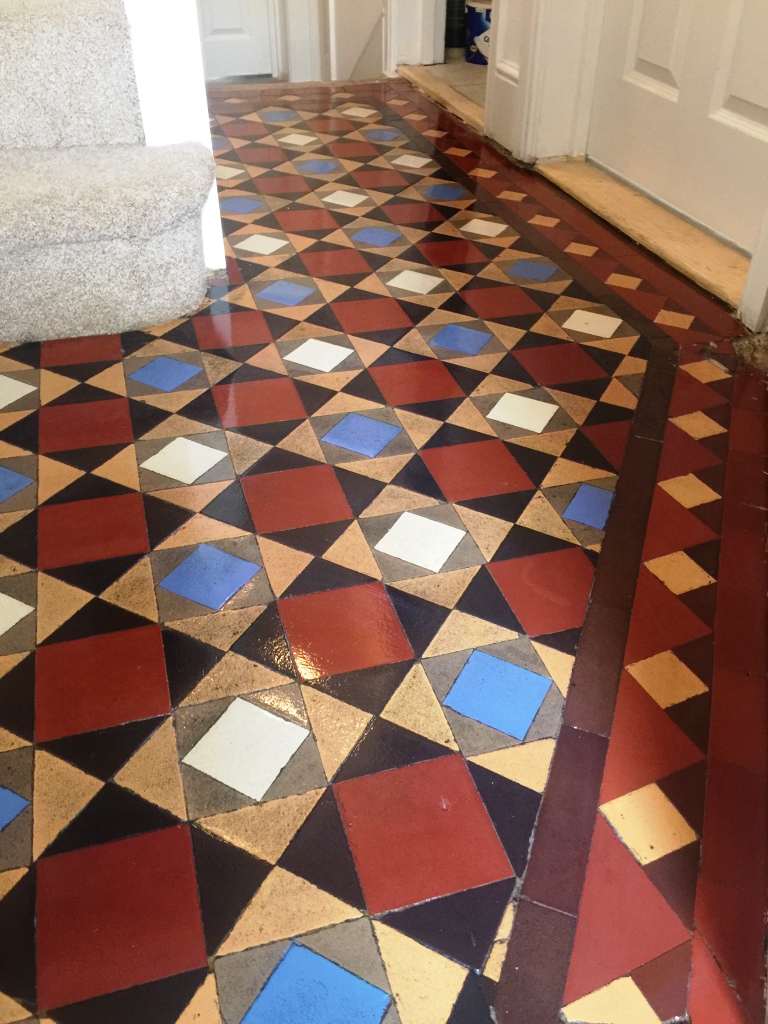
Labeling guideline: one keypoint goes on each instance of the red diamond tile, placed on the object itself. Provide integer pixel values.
(419, 832)
(306, 220)
(660, 621)
(243, 130)
(351, 150)
(281, 184)
(559, 364)
(475, 470)
(82, 685)
(331, 632)
(258, 401)
(617, 891)
(335, 263)
(506, 300)
(451, 254)
(261, 155)
(360, 316)
(645, 746)
(379, 179)
(412, 213)
(88, 531)
(549, 592)
(85, 425)
(412, 383)
(294, 498)
(69, 351)
(228, 330)
(117, 915)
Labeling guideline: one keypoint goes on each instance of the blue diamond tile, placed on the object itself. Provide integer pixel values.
(447, 192)
(590, 506)
(362, 434)
(499, 694)
(531, 271)
(376, 236)
(279, 115)
(461, 339)
(239, 204)
(165, 374)
(12, 483)
(209, 576)
(382, 135)
(286, 293)
(319, 167)
(11, 806)
(305, 988)
(218, 143)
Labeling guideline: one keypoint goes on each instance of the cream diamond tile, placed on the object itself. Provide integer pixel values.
(648, 823)
(689, 491)
(265, 245)
(666, 679)
(412, 281)
(488, 228)
(296, 139)
(679, 573)
(11, 390)
(12, 612)
(340, 198)
(698, 425)
(596, 324)
(410, 160)
(184, 460)
(319, 355)
(421, 542)
(525, 413)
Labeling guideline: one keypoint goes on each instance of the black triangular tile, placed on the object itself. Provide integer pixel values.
(323, 317)
(104, 752)
(692, 716)
(82, 371)
(95, 577)
(358, 490)
(29, 354)
(567, 640)
(510, 368)
(321, 575)
(17, 940)
(163, 519)
(83, 392)
(187, 662)
(385, 745)
(369, 689)
(706, 556)
(23, 434)
(473, 1005)
(609, 361)
(535, 464)
(95, 618)
(269, 433)
(593, 389)
(312, 396)
(265, 642)
(461, 926)
(161, 1002)
(702, 602)
(580, 449)
(88, 459)
(440, 410)
(456, 304)
(363, 386)
(466, 378)
(605, 413)
(397, 356)
(420, 619)
(231, 507)
(674, 875)
(277, 460)
(19, 541)
(512, 809)
(114, 813)
(484, 600)
(389, 337)
(203, 410)
(319, 852)
(145, 417)
(448, 434)
(17, 700)
(414, 476)
(686, 790)
(245, 374)
(314, 540)
(508, 507)
(87, 487)
(227, 880)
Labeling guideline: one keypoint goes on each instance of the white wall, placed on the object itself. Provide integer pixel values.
(415, 33)
(169, 75)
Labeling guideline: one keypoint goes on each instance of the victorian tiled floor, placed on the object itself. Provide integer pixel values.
(314, 608)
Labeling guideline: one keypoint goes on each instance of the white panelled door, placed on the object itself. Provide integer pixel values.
(681, 107)
(236, 37)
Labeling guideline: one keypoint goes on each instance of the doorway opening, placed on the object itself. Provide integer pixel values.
(241, 42)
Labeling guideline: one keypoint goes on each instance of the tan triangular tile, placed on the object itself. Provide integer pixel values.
(11, 451)
(9, 661)
(303, 441)
(284, 906)
(10, 518)
(8, 419)
(384, 469)
(374, 284)
(194, 498)
(444, 588)
(203, 1008)
(462, 632)
(56, 602)
(112, 379)
(332, 381)
(232, 676)
(176, 426)
(121, 469)
(10, 568)
(268, 359)
(135, 591)
(425, 984)
(566, 472)
(482, 363)
(414, 706)
(222, 628)
(153, 772)
(162, 347)
(415, 343)
(54, 385)
(11, 1011)
(541, 516)
(10, 741)
(336, 726)
(470, 417)
(171, 402)
(578, 408)
(9, 878)
(494, 385)
(217, 367)
(242, 297)
(245, 452)
(569, 302)
(552, 444)
(621, 345)
(61, 792)
(165, 328)
(419, 428)
(53, 477)
(546, 325)
(342, 403)
(558, 664)
(487, 531)
(352, 551)
(330, 290)
(283, 564)
(264, 830)
(397, 499)
(369, 351)
(8, 365)
(526, 764)
(200, 529)
(617, 394)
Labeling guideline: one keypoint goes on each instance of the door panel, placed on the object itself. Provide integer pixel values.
(681, 107)
(236, 37)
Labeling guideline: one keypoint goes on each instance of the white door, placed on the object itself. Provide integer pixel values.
(356, 39)
(236, 37)
(681, 107)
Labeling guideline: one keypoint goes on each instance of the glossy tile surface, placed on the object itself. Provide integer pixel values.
(292, 592)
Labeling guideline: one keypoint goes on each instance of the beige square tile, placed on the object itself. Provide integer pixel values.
(689, 491)
(483, 172)
(648, 823)
(669, 319)
(665, 678)
(706, 370)
(581, 250)
(544, 222)
(698, 425)
(622, 281)
(679, 573)
(515, 197)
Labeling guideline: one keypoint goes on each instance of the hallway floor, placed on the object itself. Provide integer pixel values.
(386, 642)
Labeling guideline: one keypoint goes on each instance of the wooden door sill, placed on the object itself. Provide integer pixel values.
(444, 94)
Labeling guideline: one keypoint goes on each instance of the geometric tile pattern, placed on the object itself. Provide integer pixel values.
(292, 589)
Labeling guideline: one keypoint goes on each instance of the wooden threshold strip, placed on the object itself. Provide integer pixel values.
(444, 94)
